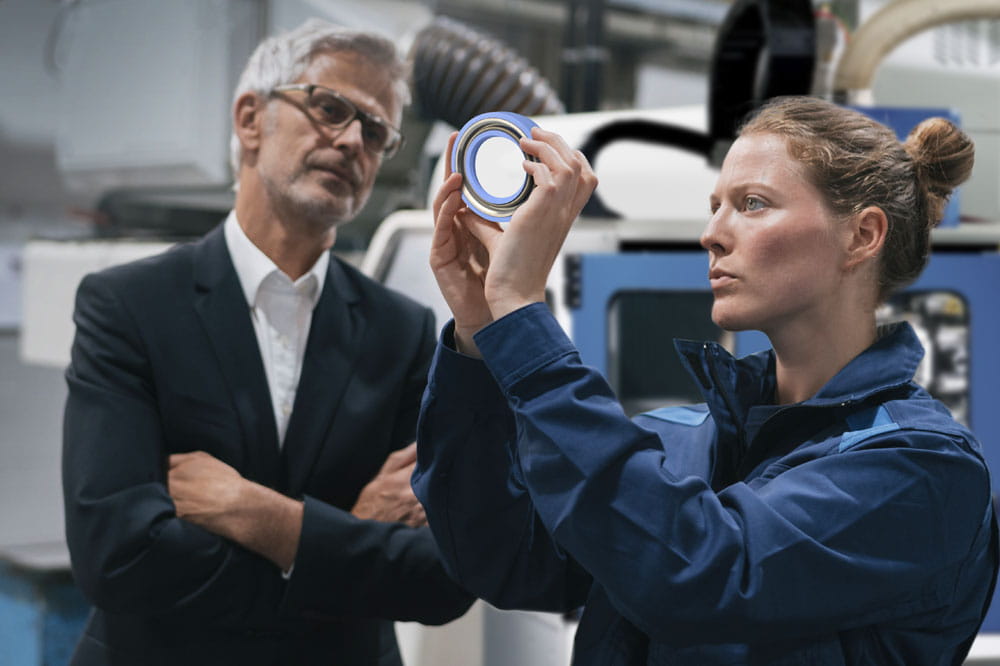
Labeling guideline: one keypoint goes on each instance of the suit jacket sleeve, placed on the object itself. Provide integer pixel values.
(130, 553)
(351, 567)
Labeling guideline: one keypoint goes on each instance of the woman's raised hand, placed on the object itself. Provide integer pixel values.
(458, 259)
(485, 271)
(521, 257)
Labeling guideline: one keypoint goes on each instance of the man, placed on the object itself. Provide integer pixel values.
(235, 467)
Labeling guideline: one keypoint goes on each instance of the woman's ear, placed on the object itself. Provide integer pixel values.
(867, 230)
(248, 121)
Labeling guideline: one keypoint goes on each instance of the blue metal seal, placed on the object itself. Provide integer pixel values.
(486, 126)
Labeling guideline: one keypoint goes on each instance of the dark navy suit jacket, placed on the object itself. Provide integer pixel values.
(165, 360)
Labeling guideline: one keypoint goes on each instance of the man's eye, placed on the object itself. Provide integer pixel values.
(375, 133)
(332, 110)
(753, 203)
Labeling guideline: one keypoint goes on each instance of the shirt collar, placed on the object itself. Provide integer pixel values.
(253, 266)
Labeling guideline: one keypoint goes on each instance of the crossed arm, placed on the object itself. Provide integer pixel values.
(209, 493)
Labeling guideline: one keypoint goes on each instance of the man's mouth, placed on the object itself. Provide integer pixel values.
(341, 174)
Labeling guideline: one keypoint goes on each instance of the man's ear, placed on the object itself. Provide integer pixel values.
(248, 121)
(867, 231)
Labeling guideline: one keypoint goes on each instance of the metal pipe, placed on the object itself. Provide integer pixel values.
(594, 56)
(570, 57)
(889, 27)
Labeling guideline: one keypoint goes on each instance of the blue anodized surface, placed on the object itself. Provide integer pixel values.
(476, 132)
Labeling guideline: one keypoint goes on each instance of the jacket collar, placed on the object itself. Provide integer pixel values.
(732, 386)
(892, 360)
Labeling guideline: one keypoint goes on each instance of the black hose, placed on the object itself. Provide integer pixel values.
(764, 48)
(459, 72)
(647, 131)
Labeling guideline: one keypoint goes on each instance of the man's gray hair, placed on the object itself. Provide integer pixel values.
(282, 58)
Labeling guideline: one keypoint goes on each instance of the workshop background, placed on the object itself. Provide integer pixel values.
(114, 131)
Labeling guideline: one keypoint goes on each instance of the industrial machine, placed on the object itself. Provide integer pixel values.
(633, 256)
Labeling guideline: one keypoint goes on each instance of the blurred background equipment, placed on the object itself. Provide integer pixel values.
(114, 134)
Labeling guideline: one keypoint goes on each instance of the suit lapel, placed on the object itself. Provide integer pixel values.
(332, 348)
(220, 303)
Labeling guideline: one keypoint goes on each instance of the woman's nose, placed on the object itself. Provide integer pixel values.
(713, 237)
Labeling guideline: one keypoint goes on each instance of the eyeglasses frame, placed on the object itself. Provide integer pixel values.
(358, 114)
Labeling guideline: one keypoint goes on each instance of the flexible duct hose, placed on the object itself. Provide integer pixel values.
(459, 72)
(765, 48)
(889, 27)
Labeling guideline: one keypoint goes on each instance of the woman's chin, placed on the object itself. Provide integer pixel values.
(732, 321)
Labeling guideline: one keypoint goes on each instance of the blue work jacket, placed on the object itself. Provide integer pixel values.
(853, 528)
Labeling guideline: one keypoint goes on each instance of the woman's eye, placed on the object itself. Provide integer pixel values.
(753, 203)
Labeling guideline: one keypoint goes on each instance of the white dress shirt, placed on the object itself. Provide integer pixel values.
(281, 311)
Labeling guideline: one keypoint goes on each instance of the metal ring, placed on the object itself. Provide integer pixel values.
(498, 124)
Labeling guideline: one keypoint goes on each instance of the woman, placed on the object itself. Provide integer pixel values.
(820, 508)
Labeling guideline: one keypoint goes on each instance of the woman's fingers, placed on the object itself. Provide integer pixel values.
(445, 247)
(560, 166)
(588, 181)
(552, 150)
(484, 231)
(451, 185)
(447, 154)
(451, 181)
(486, 269)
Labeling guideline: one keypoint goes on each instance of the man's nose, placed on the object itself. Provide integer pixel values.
(351, 135)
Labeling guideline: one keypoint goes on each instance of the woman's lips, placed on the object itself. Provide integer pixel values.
(720, 278)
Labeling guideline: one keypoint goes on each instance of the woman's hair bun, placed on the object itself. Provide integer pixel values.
(942, 156)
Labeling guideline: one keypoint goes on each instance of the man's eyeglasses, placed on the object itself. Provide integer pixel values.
(333, 109)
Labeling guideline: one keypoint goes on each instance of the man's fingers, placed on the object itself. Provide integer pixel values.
(176, 459)
(418, 518)
(408, 453)
(397, 460)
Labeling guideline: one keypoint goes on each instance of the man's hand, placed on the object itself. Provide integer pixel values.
(209, 493)
(205, 490)
(388, 497)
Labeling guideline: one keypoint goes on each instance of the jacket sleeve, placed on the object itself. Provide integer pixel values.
(482, 516)
(130, 553)
(877, 533)
(348, 567)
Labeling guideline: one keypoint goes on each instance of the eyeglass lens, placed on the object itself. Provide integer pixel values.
(335, 110)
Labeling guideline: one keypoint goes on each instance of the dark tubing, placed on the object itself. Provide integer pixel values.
(459, 72)
(646, 131)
